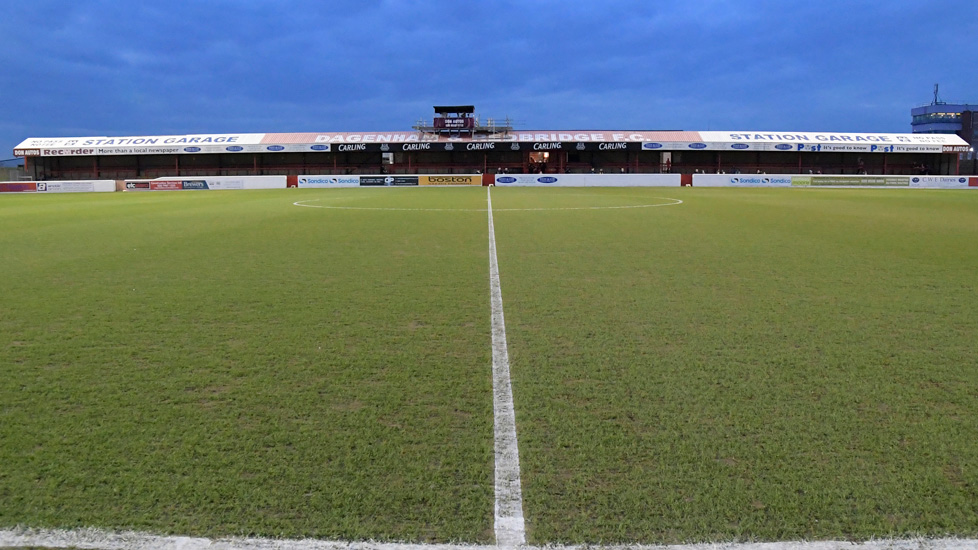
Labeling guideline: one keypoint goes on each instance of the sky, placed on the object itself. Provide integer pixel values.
(123, 68)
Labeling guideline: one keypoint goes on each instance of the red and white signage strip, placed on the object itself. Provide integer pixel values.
(133, 145)
(833, 142)
(344, 141)
(522, 136)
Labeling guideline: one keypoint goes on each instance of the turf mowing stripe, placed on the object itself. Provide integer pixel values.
(303, 204)
(106, 540)
(510, 527)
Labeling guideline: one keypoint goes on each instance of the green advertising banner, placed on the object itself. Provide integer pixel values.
(869, 181)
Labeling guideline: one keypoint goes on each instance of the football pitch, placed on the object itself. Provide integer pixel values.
(687, 365)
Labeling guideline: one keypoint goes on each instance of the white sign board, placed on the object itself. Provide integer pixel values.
(329, 181)
(588, 180)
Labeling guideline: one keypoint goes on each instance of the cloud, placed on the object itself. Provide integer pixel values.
(121, 68)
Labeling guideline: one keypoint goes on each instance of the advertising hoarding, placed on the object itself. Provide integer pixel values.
(328, 181)
(741, 180)
(588, 180)
(208, 182)
(380, 181)
(942, 182)
(454, 123)
(18, 187)
(450, 180)
(818, 180)
(66, 186)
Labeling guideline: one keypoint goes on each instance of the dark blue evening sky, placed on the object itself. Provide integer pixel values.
(136, 68)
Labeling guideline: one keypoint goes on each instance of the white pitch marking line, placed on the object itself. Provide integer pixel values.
(129, 540)
(509, 524)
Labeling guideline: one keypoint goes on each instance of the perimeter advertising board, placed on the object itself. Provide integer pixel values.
(209, 182)
(588, 180)
(851, 181)
(741, 180)
(942, 182)
(450, 180)
(329, 181)
(18, 187)
(382, 181)
(82, 186)
(325, 181)
(74, 186)
(791, 180)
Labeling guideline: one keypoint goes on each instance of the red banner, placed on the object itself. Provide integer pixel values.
(18, 187)
(166, 185)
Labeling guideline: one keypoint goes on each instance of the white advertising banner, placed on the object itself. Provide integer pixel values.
(941, 182)
(589, 180)
(329, 181)
(207, 149)
(831, 142)
(208, 182)
(819, 180)
(806, 147)
(161, 145)
(132, 145)
(741, 180)
(72, 186)
(795, 180)
(79, 186)
(245, 182)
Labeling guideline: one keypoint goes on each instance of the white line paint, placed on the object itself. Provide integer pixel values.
(106, 540)
(673, 202)
(509, 524)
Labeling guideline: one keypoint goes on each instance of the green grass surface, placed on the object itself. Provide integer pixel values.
(754, 364)
(764, 364)
(227, 363)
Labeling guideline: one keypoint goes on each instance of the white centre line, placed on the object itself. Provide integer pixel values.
(509, 525)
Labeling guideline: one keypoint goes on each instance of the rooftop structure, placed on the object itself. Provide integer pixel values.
(459, 120)
(942, 117)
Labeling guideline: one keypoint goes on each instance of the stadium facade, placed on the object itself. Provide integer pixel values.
(456, 144)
